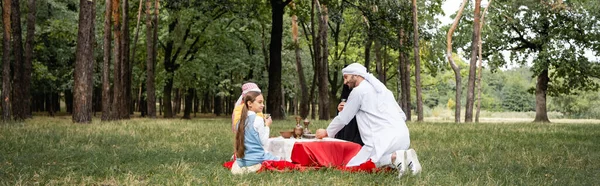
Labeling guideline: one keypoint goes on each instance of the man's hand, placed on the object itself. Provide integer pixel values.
(341, 106)
(321, 133)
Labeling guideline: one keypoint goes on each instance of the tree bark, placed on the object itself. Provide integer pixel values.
(404, 76)
(417, 62)
(84, 64)
(117, 76)
(106, 96)
(150, 61)
(311, 97)
(189, 96)
(368, 45)
(541, 114)
(17, 45)
(177, 106)
(125, 68)
(6, 88)
(478, 109)
(206, 103)
(473, 63)
(167, 105)
(218, 105)
(274, 101)
(379, 62)
(29, 44)
(69, 100)
(323, 64)
(455, 67)
(304, 101)
(137, 32)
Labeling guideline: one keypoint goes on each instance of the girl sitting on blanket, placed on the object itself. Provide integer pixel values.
(251, 136)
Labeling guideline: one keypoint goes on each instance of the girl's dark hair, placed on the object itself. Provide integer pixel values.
(250, 97)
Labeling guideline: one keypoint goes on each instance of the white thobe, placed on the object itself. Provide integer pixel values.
(381, 123)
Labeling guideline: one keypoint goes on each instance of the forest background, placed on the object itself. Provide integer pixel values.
(538, 59)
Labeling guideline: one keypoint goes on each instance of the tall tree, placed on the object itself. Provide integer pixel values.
(150, 61)
(379, 62)
(455, 67)
(274, 101)
(17, 46)
(478, 108)
(473, 63)
(417, 61)
(6, 82)
(29, 43)
(84, 63)
(556, 35)
(189, 95)
(304, 102)
(135, 102)
(117, 77)
(323, 62)
(106, 99)
(125, 68)
(404, 75)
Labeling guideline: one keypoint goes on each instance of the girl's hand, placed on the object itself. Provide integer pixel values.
(268, 121)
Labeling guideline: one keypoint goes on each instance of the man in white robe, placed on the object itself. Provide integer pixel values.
(380, 119)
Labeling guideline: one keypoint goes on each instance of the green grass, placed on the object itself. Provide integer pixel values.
(54, 151)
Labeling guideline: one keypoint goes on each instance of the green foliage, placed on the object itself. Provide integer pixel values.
(582, 105)
(552, 36)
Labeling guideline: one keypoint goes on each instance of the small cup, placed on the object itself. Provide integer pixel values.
(267, 116)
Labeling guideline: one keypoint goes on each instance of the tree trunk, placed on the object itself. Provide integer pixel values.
(264, 50)
(218, 105)
(117, 76)
(274, 101)
(56, 101)
(473, 63)
(106, 98)
(189, 96)
(50, 103)
(368, 44)
(196, 103)
(312, 95)
(323, 65)
(125, 68)
(455, 67)
(137, 32)
(150, 61)
(404, 76)
(170, 67)
(206, 103)
(96, 101)
(379, 62)
(304, 101)
(478, 109)
(167, 106)
(69, 101)
(541, 114)
(84, 64)
(29, 44)
(417, 62)
(177, 107)
(6, 88)
(17, 45)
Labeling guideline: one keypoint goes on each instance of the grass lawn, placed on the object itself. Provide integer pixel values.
(54, 151)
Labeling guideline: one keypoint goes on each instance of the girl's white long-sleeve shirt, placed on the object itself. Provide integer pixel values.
(259, 126)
